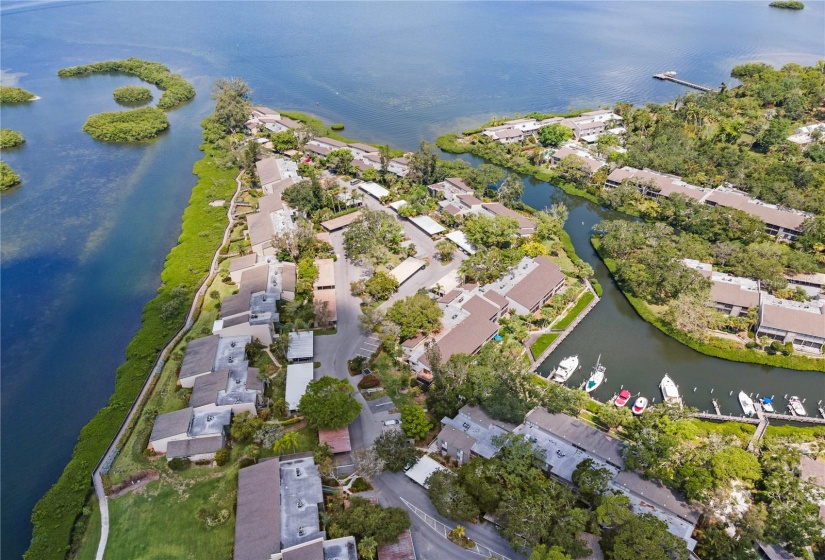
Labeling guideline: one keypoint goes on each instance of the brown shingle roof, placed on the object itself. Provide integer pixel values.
(255, 279)
(469, 200)
(288, 276)
(312, 550)
(775, 216)
(338, 439)
(341, 221)
(476, 305)
(525, 224)
(733, 294)
(537, 284)
(456, 439)
(253, 380)
(459, 183)
(236, 303)
(793, 320)
(269, 203)
(326, 272)
(268, 171)
(451, 210)
(257, 521)
(465, 338)
(400, 550)
(496, 298)
(260, 228)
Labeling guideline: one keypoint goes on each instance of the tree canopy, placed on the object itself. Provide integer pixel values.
(232, 103)
(554, 134)
(395, 450)
(415, 314)
(373, 238)
(329, 403)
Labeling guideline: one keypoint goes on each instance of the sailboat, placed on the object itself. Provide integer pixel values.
(747, 403)
(596, 378)
(567, 367)
(670, 392)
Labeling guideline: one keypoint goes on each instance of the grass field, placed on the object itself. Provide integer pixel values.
(542, 342)
(583, 302)
(160, 522)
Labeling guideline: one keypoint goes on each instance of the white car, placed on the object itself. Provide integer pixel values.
(392, 422)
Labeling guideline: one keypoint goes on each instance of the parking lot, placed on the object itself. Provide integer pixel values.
(368, 347)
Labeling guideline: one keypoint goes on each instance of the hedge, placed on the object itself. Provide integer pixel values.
(797, 362)
(186, 266)
(175, 88)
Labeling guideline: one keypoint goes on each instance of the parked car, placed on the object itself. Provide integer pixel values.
(392, 422)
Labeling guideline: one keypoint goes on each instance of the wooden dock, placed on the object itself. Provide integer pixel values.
(767, 415)
(672, 78)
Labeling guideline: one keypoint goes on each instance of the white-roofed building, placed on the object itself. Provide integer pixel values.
(427, 225)
(374, 189)
(298, 377)
(458, 237)
(301, 347)
(407, 269)
(423, 469)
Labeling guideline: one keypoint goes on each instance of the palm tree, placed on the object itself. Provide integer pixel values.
(287, 443)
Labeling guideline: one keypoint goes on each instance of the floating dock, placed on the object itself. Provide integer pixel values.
(671, 77)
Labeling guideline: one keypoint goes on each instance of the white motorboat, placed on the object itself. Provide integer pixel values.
(670, 392)
(597, 377)
(567, 367)
(796, 406)
(639, 406)
(622, 399)
(767, 404)
(747, 404)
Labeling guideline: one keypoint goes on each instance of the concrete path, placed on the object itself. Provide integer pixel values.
(108, 456)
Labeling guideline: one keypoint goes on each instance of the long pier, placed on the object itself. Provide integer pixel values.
(756, 421)
(671, 77)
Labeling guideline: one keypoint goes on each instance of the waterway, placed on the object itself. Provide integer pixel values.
(83, 241)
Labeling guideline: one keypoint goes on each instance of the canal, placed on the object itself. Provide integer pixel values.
(636, 354)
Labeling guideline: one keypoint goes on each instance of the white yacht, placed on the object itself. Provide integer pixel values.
(747, 404)
(639, 406)
(670, 392)
(796, 406)
(567, 367)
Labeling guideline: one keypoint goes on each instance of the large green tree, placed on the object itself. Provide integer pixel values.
(554, 134)
(373, 238)
(644, 536)
(329, 403)
(414, 421)
(449, 497)
(486, 231)
(415, 314)
(232, 104)
(395, 450)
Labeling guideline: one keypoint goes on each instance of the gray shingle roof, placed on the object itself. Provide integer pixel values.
(196, 446)
(537, 284)
(258, 517)
(255, 279)
(171, 424)
(207, 387)
(578, 433)
(236, 303)
(242, 262)
(199, 357)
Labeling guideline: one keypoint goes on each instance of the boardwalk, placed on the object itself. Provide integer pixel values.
(671, 77)
(756, 421)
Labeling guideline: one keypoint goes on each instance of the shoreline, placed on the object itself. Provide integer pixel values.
(57, 511)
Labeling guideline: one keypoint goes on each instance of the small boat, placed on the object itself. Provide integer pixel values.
(670, 392)
(767, 404)
(639, 406)
(596, 378)
(567, 367)
(622, 399)
(796, 406)
(747, 403)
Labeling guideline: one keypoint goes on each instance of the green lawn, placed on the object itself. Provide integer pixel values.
(542, 342)
(583, 302)
(160, 522)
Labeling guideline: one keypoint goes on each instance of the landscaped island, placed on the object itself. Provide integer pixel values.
(791, 5)
(10, 138)
(132, 94)
(127, 126)
(138, 124)
(737, 180)
(10, 94)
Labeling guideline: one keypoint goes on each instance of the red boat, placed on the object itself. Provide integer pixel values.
(623, 397)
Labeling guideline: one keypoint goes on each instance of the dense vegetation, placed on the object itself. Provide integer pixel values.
(176, 89)
(791, 5)
(203, 226)
(10, 94)
(132, 94)
(8, 178)
(10, 138)
(127, 126)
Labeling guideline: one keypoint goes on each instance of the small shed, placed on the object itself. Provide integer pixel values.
(422, 470)
(407, 269)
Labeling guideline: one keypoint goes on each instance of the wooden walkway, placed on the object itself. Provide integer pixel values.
(756, 421)
(672, 78)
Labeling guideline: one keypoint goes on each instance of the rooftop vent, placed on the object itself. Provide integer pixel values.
(300, 503)
(210, 418)
(301, 531)
(298, 471)
(232, 344)
(231, 359)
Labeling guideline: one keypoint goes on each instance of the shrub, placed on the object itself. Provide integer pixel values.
(222, 456)
(360, 485)
(127, 126)
(356, 365)
(132, 94)
(369, 381)
(180, 463)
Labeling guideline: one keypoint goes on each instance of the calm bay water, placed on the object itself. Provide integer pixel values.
(83, 241)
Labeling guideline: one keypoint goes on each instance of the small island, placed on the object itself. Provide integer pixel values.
(127, 126)
(789, 5)
(132, 94)
(8, 178)
(10, 138)
(176, 89)
(10, 94)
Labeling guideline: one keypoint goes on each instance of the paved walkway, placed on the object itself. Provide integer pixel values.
(159, 363)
